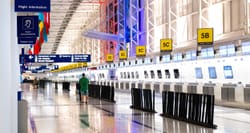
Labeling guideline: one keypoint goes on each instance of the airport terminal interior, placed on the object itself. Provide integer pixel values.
(152, 66)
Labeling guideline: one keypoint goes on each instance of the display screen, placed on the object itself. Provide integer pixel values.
(228, 73)
(198, 73)
(212, 72)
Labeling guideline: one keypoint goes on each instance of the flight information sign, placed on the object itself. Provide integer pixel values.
(205, 36)
(109, 57)
(140, 50)
(32, 5)
(55, 58)
(166, 44)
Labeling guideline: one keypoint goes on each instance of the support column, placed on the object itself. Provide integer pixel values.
(9, 71)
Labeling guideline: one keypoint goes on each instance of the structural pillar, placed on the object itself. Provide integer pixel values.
(9, 70)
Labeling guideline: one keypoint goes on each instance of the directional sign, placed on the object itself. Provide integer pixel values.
(50, 58)
(27, 26)
(32, 5)
(109, 57)
(140, 50)
(123, 54)
(205, 36)
(166, 44)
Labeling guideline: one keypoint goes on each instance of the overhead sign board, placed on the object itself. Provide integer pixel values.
(140, 50)
(27, 26)
(50, 58)
(122, 54)
(205, 36)
(109, 57)
(32, 5)
(166, 45)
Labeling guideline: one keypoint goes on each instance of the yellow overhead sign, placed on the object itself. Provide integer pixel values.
(205, 36)
(140, 50)
(109, 57)
(122, 54)
(166, 45)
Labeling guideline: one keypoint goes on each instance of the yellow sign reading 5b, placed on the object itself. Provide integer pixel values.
(205, 36)
(123, 54)
(166, 44)
(109, 57)
(140, 50)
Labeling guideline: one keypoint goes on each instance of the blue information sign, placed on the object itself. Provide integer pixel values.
(50, 58)
(32, 5)
(27, 26)
(23, 40)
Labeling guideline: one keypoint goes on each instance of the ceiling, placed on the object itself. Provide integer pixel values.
(68, 19)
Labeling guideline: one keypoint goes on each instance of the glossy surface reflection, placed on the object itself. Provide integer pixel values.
(56, 111)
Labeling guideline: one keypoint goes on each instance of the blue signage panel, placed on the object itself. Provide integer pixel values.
(27, 26)
(32, 5)
(26, 40)
(81, 58)
(50, 58)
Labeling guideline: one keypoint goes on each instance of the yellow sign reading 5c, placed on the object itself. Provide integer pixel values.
(166, 44)
(123, 54)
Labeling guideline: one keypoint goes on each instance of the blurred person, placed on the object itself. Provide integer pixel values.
(84, 87)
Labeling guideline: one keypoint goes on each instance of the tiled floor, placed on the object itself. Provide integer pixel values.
(59, 112)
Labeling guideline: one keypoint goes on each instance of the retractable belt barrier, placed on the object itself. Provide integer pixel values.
(103, 92)
(65, 86)
(194, 108)
(143, 99)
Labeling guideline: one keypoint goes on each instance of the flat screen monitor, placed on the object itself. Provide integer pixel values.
(212, 72)
(198, 73)
(228, 73)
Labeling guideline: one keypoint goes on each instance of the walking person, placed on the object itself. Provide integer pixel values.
(84, 86)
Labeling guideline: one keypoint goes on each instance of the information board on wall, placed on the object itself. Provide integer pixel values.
(122, 54)
(205, 36)
(140, 50)
(166, 45)
(109, 57)
(32, 5)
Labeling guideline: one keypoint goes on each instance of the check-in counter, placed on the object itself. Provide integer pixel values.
(192, 87)
(228, 92)
(247, 93)
(157, 87)
(166, 86)
(208, 88)
(178, 87)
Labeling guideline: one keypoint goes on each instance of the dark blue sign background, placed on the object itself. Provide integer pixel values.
(27, 26)
(32, 5)
(26, 40)
(49, 58)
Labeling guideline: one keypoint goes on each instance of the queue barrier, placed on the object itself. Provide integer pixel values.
(66, 86)
(194, 108)
(143, 99)
(102, 92)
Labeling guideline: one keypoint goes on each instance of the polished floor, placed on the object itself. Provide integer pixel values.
(55, 111)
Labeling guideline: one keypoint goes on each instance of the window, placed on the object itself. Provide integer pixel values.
(207, 53)
(198, 73)
(166, 58)
(212, 73)
(227, 50)
(228, 73)
(167, 74)
(177, 57)
(152, 74)
(145, 74)
(124, 74)
(176, 73)
(191, 55)
(159, 74)
(246, 48)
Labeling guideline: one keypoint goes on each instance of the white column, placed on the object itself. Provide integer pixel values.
(9, 70)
